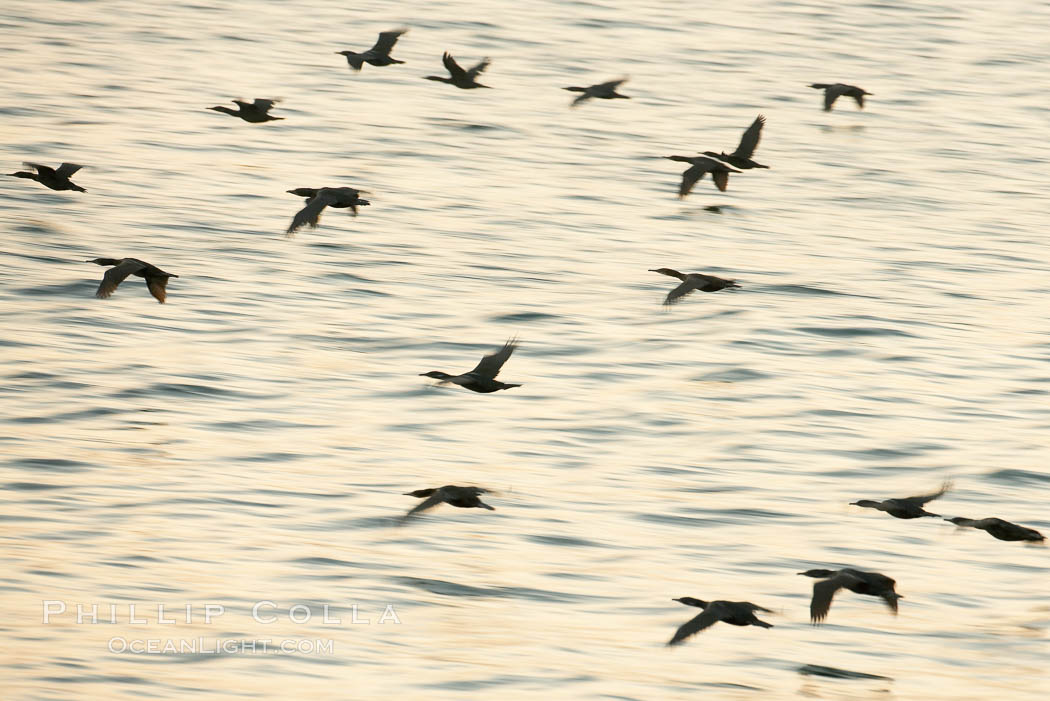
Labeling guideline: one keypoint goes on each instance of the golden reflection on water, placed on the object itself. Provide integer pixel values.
(251, 440)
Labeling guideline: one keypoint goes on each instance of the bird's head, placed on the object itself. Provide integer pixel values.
(436, 374)
(665, 271)
(345, 53)
(865, 502)
(816, 573)
(957, 520)
(690, 601)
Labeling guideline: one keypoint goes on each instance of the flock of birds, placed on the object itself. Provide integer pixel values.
(482, 379)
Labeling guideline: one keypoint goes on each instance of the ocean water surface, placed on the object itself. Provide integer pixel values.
(247, 444)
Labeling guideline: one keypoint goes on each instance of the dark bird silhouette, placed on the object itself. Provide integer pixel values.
(736, 613)
(378, 55)
(462, 497)
(867, 583)
(998, 528)
(318, 199)
(602, 91)
(461, 78)
(483, 377)
(156, 279)
(905, 507)
(832, 92)
(693, 281)
(741, 158)
(254, 112)
(49, 177)
(702, 164)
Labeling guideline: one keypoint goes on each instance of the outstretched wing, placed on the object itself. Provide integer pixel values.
(477, 70)
(824, 591)
(115, 275)
(859, 97)
(452, 67)
(721, 178)
(433, 500)
(311, 213)
(714, 613)
(490, 365)
(264, 105)
(158, 287)
(749, 141)
(41, 169)
(682, 290)
(832, 93)
(924, 498)
(386, 41)
(690, 178)
(66, 170)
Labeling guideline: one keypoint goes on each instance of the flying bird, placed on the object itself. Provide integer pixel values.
(459, 77)
(741, 158)
(692, 281)
(254, 112)
(905, 507)
(736, 613)
(867, 583)
(602, 91)
(832, 92)
(378, 55)
(50, 177)
(483, 377)
(318, 199)
(998, 528)
(462, 497)
(699, 165)
(156, 279)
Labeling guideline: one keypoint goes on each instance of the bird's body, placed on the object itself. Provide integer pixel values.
(905, 507)
(319, 198)
(254, 112)
(378, 55)
(465, 79)
(693, 281)
(56, 179)
(699, 166)
(737, 613)
(833, 91)
(462, 497)
(741, 158)
(482, 378)
(156, 279)
(998, 528)
(867, 583)
(601, 91)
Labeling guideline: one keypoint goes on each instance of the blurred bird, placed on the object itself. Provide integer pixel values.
(998, 528)
(905, 507)
(832, 92)
(461, 78)
(867, 583)
(462, 497)
(254, 112)
(702, 164)
(483, 377)
(318, 199)
(741, 158)
(602, 91)
(693, 281)
(378, 55)
(736, 613)
(49, 177)
(156, 279)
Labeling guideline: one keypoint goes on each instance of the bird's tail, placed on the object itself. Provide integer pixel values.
(762, 623)
(506, 386)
